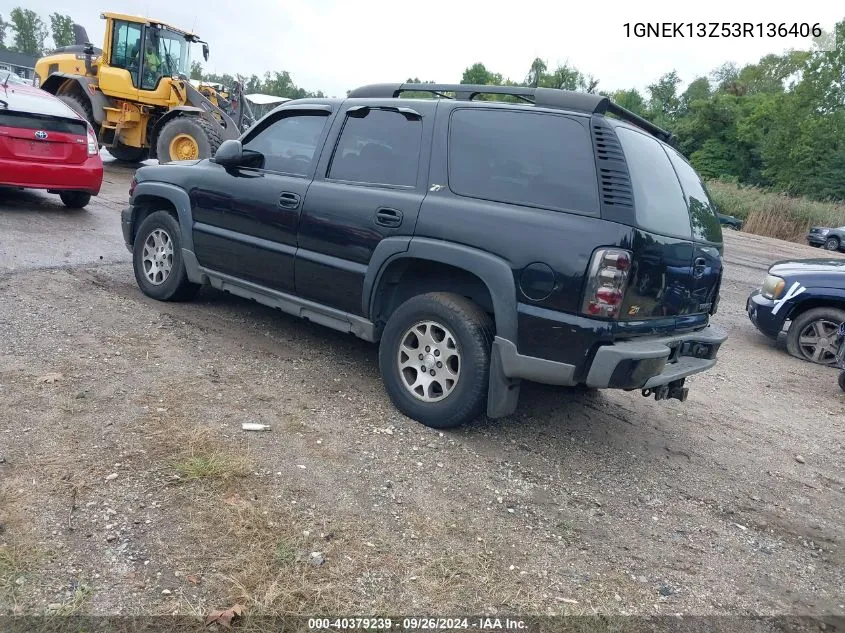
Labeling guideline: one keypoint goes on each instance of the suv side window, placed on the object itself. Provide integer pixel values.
(527, 158)
(288, 144)
(378, 147)
(705, 222)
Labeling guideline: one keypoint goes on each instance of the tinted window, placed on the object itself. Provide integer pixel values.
(289, 143)
(526, 158)
(705, 222)
(379, 147)
(658, 198)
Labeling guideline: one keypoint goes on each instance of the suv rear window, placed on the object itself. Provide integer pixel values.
(526, 158)
(658, 198)
(705, 222)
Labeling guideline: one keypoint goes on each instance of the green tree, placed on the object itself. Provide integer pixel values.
(61, 27)
(663, 101)
(630, 100)
(478, 74)
(30, 31)
(196, 70)
(3, 26)
(536, 73)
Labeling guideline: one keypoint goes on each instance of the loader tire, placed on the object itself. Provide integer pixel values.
(187, 138)
(81, 107)
(127, 153)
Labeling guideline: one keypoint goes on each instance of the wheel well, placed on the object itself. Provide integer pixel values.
(809, 304)
(409, 277)
(145, 205)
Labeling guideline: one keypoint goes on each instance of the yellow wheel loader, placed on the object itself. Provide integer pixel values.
(136, 93)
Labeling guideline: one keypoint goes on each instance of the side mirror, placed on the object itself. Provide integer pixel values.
(205, 51)
(230, 153)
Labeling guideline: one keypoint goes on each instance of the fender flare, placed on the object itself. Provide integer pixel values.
(494, 271)
(178, 197)
(62, 82)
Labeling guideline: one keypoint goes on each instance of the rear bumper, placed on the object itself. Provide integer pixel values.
(642, 363)
(87, 176)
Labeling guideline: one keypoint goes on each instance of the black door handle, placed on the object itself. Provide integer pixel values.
(288, 200)
(385, 216)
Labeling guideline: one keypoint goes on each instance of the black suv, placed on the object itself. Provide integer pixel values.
(486, 235)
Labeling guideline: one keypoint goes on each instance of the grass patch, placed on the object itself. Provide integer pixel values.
(211, 467)
(76, 603)
(775, 215)
(15, 561)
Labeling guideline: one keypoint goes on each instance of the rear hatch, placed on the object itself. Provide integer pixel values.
(36, 127)
(677, 265)
(37, 138)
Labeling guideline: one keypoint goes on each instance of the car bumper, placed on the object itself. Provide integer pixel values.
(641, 363)
(815, 240)
(760, 312)
(87, 176)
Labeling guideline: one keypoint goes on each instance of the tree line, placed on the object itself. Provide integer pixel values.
(778, 123)
(27, 32)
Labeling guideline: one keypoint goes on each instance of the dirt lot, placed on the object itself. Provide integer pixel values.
(127, 485)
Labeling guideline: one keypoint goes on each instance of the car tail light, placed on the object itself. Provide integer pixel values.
(93, 148)
(606, 282)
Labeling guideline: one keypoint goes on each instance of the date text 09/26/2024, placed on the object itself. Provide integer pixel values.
(721, 29)
(417, 624)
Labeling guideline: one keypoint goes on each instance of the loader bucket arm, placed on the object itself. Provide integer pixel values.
(230, 129)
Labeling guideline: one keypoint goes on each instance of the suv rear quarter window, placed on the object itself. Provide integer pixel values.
(533, 159)
(658, 198)
(705, 222)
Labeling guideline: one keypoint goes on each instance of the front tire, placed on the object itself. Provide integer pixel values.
(75, 199)
(831, 244)
(187, 138)
(157, 259)
(812, 336)
(447, 387)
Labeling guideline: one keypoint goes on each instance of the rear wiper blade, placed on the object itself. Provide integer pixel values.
(4, 105)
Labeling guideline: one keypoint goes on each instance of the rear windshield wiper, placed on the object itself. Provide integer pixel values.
(4, 105)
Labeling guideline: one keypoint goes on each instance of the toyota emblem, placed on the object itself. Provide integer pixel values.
(41, 135)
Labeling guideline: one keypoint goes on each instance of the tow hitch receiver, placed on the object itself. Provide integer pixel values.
(674, 389)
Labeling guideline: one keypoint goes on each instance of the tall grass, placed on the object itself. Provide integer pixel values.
(772, 214)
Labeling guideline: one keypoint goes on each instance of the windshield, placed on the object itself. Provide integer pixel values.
(11, 78)
(173, 50)
(166, 54)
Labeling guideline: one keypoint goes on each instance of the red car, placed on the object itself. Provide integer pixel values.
(46, 145)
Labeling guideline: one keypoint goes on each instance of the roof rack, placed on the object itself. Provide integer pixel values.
(545, 97)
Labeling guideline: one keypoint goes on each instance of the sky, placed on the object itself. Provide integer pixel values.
(337, 45)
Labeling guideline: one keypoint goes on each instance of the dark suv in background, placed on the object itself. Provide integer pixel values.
(548, 235)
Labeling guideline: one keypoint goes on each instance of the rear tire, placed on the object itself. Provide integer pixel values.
(128, 154)
(807, 326)
(187, 138)
(82, 107)
(454, 336)
(157, 259)
(75, 199)
(831, 244)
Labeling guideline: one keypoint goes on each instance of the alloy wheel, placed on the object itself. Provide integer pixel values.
(429, 361)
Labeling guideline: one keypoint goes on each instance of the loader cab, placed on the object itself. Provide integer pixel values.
(140, 55)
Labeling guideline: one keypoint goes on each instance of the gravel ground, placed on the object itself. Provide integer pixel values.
(127, 485)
